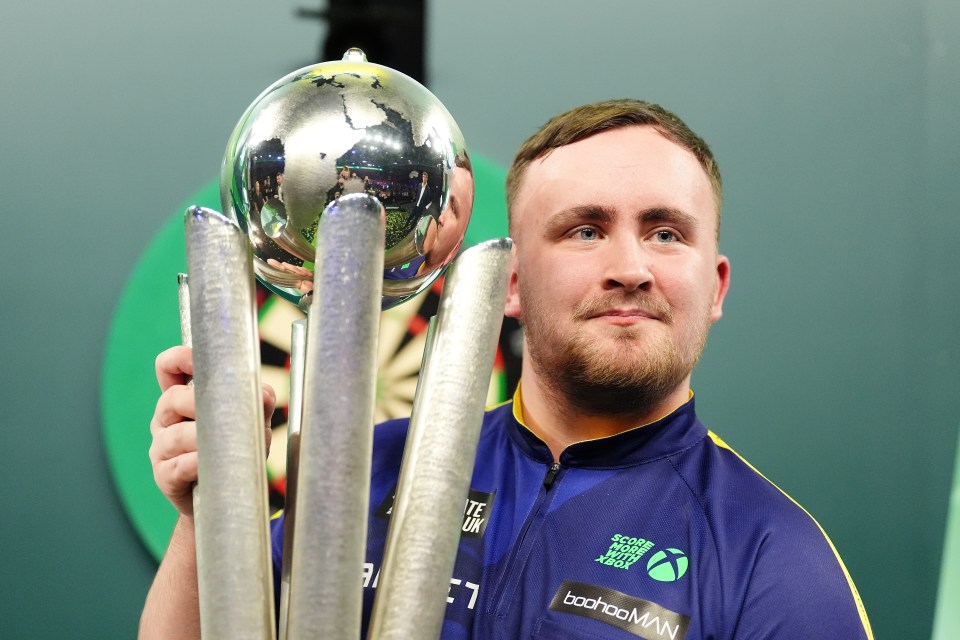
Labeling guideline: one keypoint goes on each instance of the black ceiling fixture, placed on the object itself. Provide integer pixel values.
(391, 32)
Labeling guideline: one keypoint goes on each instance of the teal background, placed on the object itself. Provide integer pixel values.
(836, 369)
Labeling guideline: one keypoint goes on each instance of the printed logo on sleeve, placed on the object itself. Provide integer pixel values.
(642, 618)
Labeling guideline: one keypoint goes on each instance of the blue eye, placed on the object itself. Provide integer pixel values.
(665, 236)
(587, 233)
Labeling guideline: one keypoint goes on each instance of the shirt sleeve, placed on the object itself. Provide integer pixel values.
(799, 588)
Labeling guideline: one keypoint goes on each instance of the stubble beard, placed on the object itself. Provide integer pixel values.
(629, 374)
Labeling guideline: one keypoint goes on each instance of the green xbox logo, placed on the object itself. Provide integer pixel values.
(668, 565)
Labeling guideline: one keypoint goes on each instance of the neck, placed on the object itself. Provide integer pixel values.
(559, 423)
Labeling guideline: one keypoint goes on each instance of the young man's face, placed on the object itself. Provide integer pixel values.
(453, 220)
(616, 274)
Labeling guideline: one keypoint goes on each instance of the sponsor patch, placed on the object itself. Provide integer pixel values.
(642, 618)
(476, 511)
(385, 508)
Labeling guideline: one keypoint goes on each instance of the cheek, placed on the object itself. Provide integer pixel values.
(556, 280)
(687, 288)
(531, 285)
(553, 281)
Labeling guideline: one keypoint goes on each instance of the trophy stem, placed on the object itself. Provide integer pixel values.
(186, 339)
(298, 351)
(336, 442)
(233, 550)
(441, 445)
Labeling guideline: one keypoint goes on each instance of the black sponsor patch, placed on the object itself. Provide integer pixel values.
(385, 508)
(476, 511)
(640, 617)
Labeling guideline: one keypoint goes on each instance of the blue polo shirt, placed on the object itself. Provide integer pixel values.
(661, 532)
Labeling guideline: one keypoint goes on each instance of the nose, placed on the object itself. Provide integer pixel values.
(627, 265)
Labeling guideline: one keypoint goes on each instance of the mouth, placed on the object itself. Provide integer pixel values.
(627, 313)
(624, 311)
(623, 316)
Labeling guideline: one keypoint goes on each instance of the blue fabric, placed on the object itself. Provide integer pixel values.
(662, 515)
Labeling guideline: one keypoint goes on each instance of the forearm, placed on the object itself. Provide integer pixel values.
(172, 609)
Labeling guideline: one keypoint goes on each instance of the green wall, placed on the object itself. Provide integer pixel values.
(111, 115)
(836, 369)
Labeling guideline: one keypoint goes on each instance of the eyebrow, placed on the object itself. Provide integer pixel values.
(563, 220)
(669, 214)
(454, 206)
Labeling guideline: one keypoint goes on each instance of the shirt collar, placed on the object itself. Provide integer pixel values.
(671, 434)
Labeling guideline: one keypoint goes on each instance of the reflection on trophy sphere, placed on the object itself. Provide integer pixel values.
(341, 127)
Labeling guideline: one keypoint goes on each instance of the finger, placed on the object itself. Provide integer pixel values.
(175, 477)
(269, 402)
(176, 404)
(173, 366)
(174, 441)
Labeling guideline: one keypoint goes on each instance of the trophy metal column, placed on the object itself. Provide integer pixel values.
(351, 186)
(233, 545)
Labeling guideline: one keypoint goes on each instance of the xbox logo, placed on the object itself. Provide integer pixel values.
(668, 565)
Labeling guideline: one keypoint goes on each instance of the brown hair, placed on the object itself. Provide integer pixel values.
(591, 119)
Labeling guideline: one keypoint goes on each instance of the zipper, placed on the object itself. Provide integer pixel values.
(551, 476)
(512, 574)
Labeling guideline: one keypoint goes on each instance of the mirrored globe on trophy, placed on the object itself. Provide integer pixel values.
(342, 127)
(347, 189)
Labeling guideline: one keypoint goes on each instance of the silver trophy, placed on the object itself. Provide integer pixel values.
(340, 128)
(349, 185)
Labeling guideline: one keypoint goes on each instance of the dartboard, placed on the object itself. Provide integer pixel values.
(400, 345)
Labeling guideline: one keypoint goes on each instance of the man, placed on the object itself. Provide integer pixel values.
(600, 506)
(443, 237)
(423, 194)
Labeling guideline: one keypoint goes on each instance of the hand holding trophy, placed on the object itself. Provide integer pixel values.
(351, 186)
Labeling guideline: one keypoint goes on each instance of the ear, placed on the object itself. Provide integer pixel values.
(723, 283)
(512, 307)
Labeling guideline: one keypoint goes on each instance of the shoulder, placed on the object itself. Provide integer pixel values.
(392, 434)
(498, 414)
(389, 438)
(388, 441)
(495, 431)
(735, 492)
(796, 582)
(740, 494)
